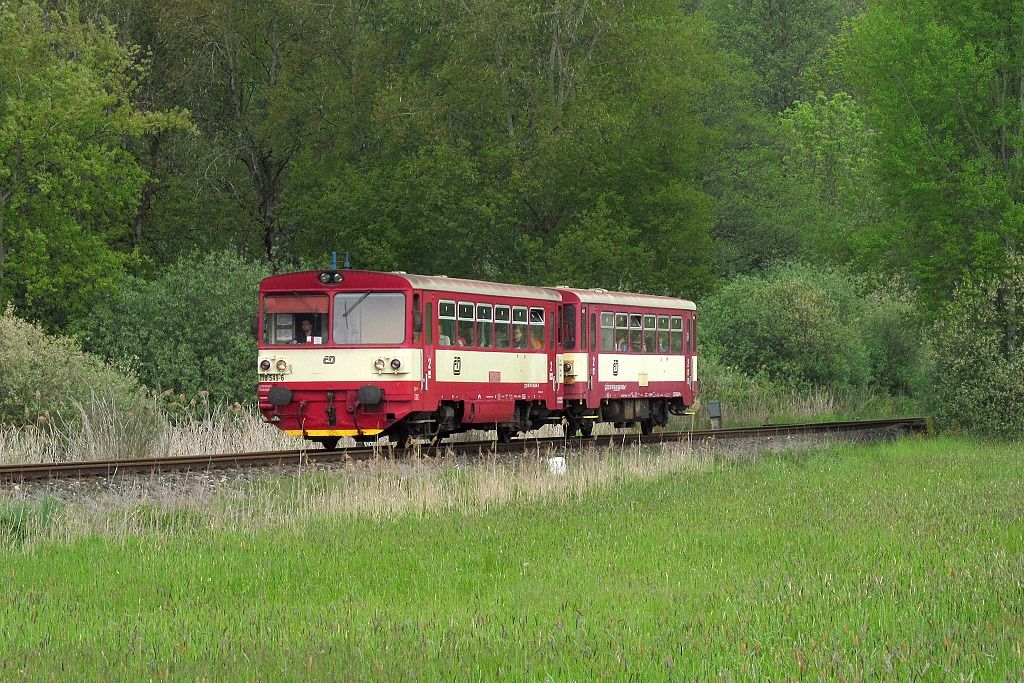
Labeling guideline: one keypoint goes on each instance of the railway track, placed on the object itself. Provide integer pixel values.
(108, 468)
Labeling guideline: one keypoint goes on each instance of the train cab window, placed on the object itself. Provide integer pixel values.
(467, 321)
(294, 318)
(536, 328)
(663, 334)
(502, 333)
(568, 327)
(677, 335)
(369, 317)
(428, 323)
(417, 319)
(445, 323)
(607, 331)
(650, 343)
(484, 326)
(636, 331)
(583, 328)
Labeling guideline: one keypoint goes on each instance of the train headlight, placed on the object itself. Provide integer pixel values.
(337, 277)
(325, 277)
(395, 364)
(379, 365)
(282, 365)
(265, 365)
(567, 367)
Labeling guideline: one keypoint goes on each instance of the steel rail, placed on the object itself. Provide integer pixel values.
(109, 468)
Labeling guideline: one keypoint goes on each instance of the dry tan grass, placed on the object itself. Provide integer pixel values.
(380, 489)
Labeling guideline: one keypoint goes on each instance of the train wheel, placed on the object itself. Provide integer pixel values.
(505, 434)
(586, 427)
(329, 443)
(646, 427)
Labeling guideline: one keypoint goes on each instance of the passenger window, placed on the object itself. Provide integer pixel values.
(677, 334)
(446, 323)
(649, 334)
(663, 334)
(593, 331)
(621, 332)
(484, 327)
(502, 333)
(607, 331)
(536, 340)
(636, 330)
(569, 327)
(428, 323)
(466, 323)
(520, 327)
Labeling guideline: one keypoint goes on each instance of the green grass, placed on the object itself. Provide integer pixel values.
(892, 561)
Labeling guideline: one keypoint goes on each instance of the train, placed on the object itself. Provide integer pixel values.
(366, 354)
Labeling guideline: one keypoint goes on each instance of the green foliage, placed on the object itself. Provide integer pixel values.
(780, 40)
(943, 88)
(979, 357)
(68, 186)
(189, 330)
(49, 381)
(794, 324)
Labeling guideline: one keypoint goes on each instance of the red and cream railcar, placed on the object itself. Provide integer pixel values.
(628, 358)
(359, 353)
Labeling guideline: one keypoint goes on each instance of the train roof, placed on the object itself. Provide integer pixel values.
(453, 285)
(441, 283)
(603, 296)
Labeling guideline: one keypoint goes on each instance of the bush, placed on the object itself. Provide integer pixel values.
(979, 357)
(817, 327)
(795, 324)
(188, 330)
(48, 380)
(896, 336)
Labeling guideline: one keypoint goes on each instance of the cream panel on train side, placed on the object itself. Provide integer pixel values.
(490, 366)
(642, 369)
(305, 364)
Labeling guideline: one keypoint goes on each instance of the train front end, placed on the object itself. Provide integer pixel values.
(339, 354)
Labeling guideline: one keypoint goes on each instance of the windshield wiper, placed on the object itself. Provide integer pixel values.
(358, 301)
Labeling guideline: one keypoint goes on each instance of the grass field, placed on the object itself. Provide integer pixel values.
(899, 561)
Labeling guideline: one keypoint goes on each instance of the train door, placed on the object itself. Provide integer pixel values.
(555, 350)
(427, 337)
(687, 348)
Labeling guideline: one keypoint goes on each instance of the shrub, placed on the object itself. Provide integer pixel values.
(794, 324)
(188, 330)
(47, 380)
(979, 357)
(895, 335)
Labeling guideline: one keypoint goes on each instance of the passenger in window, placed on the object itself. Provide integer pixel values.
(621, 344)
(306, 335)
(519, 340)
(537, 338)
